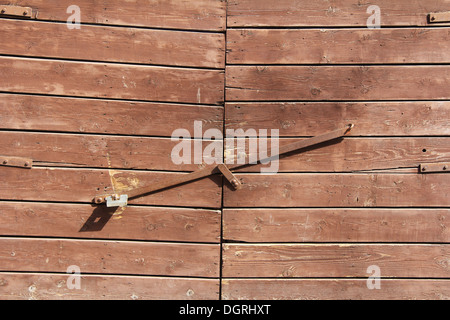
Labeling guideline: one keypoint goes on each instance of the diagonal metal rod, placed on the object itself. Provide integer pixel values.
(213, 169)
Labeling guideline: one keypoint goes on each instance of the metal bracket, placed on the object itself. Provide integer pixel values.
(439, 17)
(434, 167)
(20, 162)
(16, 11)
(230, 176)
(117, 201)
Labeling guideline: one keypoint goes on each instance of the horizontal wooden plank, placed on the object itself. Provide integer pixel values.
(290, 13)
(334, 289)
(315, 118)
(335, 260)
(109, 257)
(179, 14)
(35, 286)
(349, 154)
(336, 225)
(274, 83)
(132, 223)
(99, 80)
(338, 46)
(28, 112)
(96, 43)
(340, 190)
(82, 185)
(92, 151)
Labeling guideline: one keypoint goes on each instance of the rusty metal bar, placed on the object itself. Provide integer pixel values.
(224, 169)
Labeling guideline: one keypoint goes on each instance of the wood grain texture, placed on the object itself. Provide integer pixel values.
(340, 190)
(109, 257)
(178, 14)
(92, 151)
(99, 80)
(338, 13)
(336, 225)
(27, 112)
(82, 185)
(334, 289)
(29, 219)
(98, 43)
(35, 286)
(338, 46)
(351, 154)
(275, 83)
(335, 260)
(370, 118)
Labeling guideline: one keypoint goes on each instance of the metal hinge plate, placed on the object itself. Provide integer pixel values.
(16, 162)
(434, 167)
(16, 11)
(439, 17)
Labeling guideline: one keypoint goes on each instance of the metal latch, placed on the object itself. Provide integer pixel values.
(439, 17)
(121, 200)
(16, 162)
(434, 167)
(16, 11)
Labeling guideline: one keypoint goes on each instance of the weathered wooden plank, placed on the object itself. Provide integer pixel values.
(109, 257)
(92, 151)
(370, 119)
(82, 185)
(115, 81)
(338, 46)
(35, 286)
(96, 43)
(339, 190)
(336, 225)
(350, 154)
(274, 83)
(290, 13)
(131, 223)
(179, 14)
(334, 289)
(27, 112)
(335, 260)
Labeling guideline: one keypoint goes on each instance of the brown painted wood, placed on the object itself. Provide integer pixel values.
(35, 286)
(370, 118)
(338, 46)
(109, 257)
(340, 190)
(132, 223)
(353, 154)
(70, 150)
(256, 83)
(27, 112)
(82, 185)
(334, 289)
(336, 225)
(115, 81)
(335, 260)
(98, 43)
(179, 14)
(289, 13)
